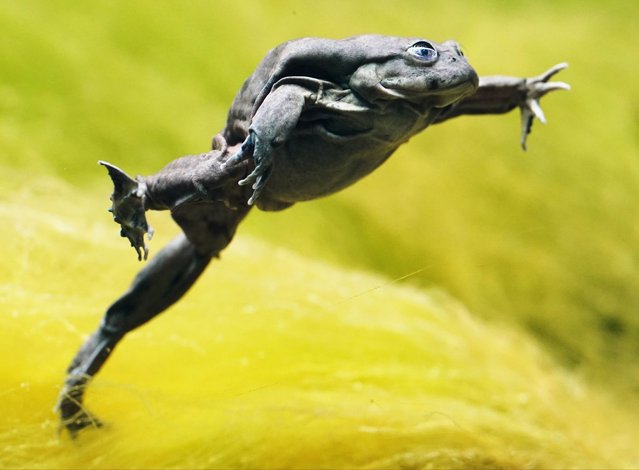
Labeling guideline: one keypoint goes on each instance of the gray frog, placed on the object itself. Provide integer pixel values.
(315, 116)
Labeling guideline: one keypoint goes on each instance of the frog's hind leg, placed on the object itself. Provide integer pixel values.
(163, 281)
(208, 228)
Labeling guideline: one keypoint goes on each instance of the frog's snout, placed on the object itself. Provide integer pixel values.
(474, 78)
(451, 58)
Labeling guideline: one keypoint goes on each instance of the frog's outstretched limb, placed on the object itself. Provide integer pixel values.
(209, 222)
(265, 134)
(163, 280)
(500, 94)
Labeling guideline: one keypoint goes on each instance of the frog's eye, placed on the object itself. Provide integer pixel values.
(423, 50)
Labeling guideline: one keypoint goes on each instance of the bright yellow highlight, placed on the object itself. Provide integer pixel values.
(274, 361)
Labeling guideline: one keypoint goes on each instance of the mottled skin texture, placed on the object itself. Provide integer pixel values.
(315, 116)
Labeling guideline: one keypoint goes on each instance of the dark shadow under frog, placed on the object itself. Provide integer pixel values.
(315, 116)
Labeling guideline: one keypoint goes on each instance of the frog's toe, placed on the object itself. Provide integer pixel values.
(527, 117)
(244, 153)
(536, 88)
(128, 209)
(263, 159)
(259, 175)
(259, 184)
(135, 235)
(548, 74)
(73, 416)
(79, 421)
(258, 179)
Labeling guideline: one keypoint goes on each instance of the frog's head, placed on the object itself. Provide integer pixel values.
(420, 71)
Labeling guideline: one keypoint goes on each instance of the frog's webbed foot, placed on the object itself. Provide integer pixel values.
(73, 416)
(128, 208)
(260, 151)
(536, 87)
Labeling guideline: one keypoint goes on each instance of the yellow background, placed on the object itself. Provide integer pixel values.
(467, 305)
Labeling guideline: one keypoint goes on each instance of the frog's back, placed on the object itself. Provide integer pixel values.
(333, 60)
(241, 111)
(349, 120)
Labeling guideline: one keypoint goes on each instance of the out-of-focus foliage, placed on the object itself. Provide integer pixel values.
(275, 361)
(548, 238)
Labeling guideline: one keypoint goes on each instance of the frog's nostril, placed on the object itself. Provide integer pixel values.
(452, 58)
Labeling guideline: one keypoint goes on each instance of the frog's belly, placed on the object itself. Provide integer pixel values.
(311, 167)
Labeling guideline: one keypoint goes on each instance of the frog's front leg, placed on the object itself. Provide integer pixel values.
(536, 87)
(270, 127)
(500, 94)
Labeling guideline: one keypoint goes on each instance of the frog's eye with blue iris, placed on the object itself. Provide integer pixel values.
(423, 50)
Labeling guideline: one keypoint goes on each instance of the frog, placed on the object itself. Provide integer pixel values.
(316, 116)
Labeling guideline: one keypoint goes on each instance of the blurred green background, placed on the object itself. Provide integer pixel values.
(319, 357)
(547, 239)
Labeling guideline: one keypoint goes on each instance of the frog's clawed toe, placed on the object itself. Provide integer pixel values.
(128, 209)
(73, 417)
(536, 87)
(260, 151)
(81, 420)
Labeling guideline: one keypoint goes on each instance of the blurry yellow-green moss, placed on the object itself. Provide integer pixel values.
(547, 239)
(321, 366)
(276, 361)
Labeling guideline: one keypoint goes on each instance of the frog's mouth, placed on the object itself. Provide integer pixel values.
(432, 91)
